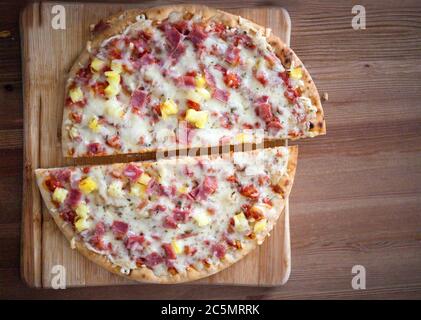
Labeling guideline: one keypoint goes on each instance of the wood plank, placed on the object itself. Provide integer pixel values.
(268, 265)
(377, 229)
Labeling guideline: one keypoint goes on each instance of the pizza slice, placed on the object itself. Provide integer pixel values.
(173, 220)
(185, 76)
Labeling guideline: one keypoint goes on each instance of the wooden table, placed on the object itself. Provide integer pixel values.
(357, 196)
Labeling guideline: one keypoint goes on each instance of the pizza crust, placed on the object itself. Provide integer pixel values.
(119, 22)
(145, 274)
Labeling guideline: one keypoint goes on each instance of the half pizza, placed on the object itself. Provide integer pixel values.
(173, 220)
(185, 76)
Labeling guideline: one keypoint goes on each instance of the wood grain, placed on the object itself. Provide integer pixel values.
(357, 194)
(47, 55)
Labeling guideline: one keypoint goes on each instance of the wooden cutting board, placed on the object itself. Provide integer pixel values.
(47, 55)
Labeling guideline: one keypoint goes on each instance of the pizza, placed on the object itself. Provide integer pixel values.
(173, 220)
(185, 76)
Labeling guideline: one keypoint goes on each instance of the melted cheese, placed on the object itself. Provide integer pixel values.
(208, 216)
(163, 79)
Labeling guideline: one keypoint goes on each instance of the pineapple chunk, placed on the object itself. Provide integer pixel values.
(168, 107)
(82, 211)
(240, 222)
(112, 90)
(176, 246)
(183, 189)
(113, 77)
(87, 185)
(113, 87)
(60, 195)
(76, 94)
(97, 64)
(115, 189)
(73, 132)
(260, 226)
(243, 138)
(198, 118)
(81, 224)
(137, 190)
(114, 109)
(200, 81)
(144, 179)
(296, 73)
(201, 218)
(94, 125)
(116, 66)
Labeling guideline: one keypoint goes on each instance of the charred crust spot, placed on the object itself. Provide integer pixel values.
(188, 16)
(320, 124)
(311, 125)
(100, 27)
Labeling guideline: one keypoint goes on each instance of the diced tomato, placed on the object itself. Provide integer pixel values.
(250, 191)
(255, 213)
(232, 80)
(76, 117)
(114, 142)
(261, 77)
(219, 28)
(232, 179)
(262, 179)
(193, 105)
(99, 88)
(267, 201)
(169, 251)
(52, 183)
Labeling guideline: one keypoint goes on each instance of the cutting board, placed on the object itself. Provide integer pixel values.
(47, 55)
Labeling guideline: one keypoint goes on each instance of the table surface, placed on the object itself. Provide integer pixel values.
(357, 195)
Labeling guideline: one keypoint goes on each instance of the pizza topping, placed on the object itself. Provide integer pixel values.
(232, 55)
(132, 172)
(74, 197)
(59, 195)
(165, 72)
(119, 229)
(87, 185)
(197, 35)
(134, 242)
(171, 215)
(219, 250)
(138, 99)
(168, 108)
